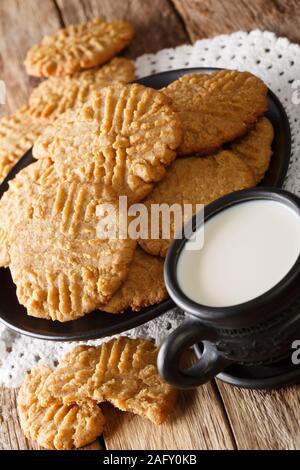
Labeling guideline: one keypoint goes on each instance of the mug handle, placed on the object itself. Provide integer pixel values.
(186, 335)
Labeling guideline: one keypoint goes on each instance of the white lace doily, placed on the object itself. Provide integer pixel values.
(277, 62)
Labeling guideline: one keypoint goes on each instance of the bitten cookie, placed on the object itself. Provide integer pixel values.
(122, 372)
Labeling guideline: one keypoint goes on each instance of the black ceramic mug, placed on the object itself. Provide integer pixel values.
(259, 331)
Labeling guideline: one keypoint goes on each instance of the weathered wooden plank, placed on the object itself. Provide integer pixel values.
(155, 21)
(11, 434)
(204, 18)
(22, 24)
(198, 422)
(263, 420)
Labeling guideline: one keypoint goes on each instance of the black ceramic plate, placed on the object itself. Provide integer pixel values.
(100, 324)
(94, 325)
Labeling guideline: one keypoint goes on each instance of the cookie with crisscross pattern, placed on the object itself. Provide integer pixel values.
(122, 372)
(124, 140)
(255, 148)
(61, 266)
(217, 108)
(58, 426)
(56, 95)
(78, 47)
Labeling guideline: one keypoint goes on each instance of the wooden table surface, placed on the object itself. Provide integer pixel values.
(215, 416)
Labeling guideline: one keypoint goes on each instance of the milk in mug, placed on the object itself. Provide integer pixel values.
(248, 248)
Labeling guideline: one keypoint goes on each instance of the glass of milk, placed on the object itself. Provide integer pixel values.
(240, 291)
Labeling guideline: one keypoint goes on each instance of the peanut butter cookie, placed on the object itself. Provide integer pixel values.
(122, 372)
(255, 148)
(17, 135)
(59, 426)
(54, 96)
(124, 139)
(217, 108)
(61, 266)
(143, 286)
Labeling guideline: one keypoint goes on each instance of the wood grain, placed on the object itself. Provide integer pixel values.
(11, 434)
(155, 21)
(205, 18)
(22, 24)
(263, 420)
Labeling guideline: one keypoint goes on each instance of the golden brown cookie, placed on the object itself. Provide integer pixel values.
(58, 426)
(60, 265)
(255, 148)
(195, 180)
(216, 108)
(54, 96)
(143, 286)
(78, 47)
(17, 135)
(15, 205)
(124, 139)
(122, 372)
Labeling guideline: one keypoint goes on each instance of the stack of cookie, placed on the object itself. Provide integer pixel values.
(64, 57)
(112, 141)
(119, 143)
(59, 409)
(227, 143)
